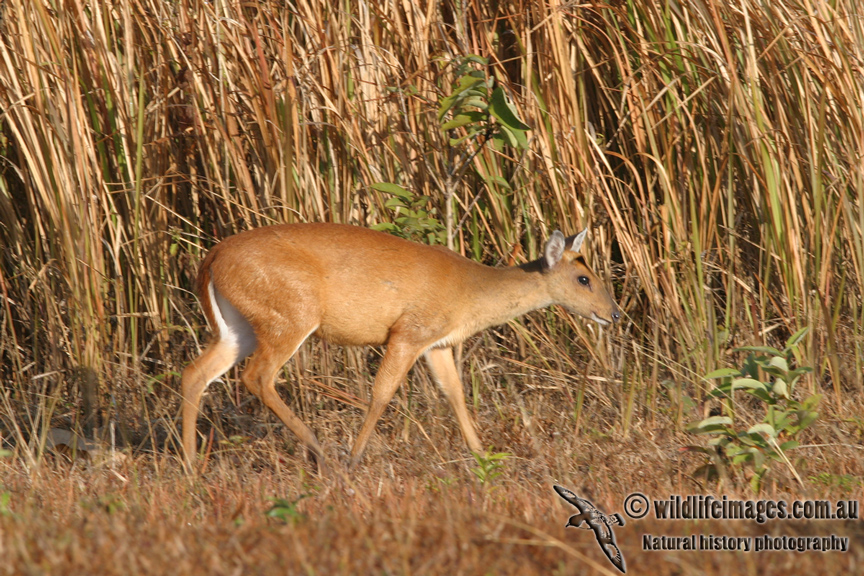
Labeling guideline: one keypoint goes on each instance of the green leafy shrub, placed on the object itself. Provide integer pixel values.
(473, 104)
(286, 510)
(767, 376)
(412, 219)
(489, 465)
(476, 111)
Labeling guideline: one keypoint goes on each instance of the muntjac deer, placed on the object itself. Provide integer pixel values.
(267, 290)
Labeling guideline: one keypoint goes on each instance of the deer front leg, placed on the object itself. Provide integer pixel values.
(440, 361)
(398, 359)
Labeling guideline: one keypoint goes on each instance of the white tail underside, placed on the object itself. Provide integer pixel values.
(235, 332)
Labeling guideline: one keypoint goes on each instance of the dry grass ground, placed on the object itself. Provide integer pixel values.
(401, 513)
(414, 506)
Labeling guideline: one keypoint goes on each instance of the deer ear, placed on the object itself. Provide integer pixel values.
(578, 240)
(554, 249)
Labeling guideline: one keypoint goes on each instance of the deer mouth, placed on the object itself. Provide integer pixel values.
(599, 320)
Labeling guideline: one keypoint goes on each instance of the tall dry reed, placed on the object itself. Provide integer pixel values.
(714, 149)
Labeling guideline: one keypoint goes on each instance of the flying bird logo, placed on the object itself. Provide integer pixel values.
(590, 518)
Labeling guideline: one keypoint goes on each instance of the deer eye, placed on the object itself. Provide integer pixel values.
(584, 281)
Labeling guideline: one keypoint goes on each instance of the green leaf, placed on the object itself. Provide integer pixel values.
(750, 367)
(748, 383)
(751, 440)
(807, 419)
(384, 227)
(470, 134)
(780, 389)
(741, 458)
(478, 101)
(394, 189)
(773, 370)
(797, 337)
(286, 510)
(789, 445)
(467, 82)
(467, 94)
(721, 391)
(715, 421)
(762, 394)
(755, 483)
(445, 106)
(711, 425)
(798, 372)
(722, 373)
(758, 459)
(720, 441)
(463, 119)
(476, 59)
(518, 137)
(779, 362)
(779, 419)
(499, 181)
(812, 401)
(507, 137)
(763, 428)
(503, 110)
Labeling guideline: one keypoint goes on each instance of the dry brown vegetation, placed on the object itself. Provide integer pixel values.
(715, 151)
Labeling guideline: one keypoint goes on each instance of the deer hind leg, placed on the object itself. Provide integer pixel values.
(215, 361)
(235, 341)
(398, 359)
(259, 377)
(443, 367)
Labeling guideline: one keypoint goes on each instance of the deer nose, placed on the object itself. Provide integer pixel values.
(616, 316)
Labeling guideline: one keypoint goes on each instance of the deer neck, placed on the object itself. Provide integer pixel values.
(502, 294)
